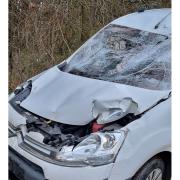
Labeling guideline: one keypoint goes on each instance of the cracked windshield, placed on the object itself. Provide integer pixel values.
(127, 56)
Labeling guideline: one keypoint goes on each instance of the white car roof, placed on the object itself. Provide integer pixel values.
(147, 20)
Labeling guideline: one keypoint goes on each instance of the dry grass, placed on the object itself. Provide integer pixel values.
(43, 34)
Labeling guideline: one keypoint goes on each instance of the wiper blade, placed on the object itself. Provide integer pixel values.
(157, 25)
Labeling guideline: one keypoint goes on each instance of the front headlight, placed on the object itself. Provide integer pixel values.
(97, 149)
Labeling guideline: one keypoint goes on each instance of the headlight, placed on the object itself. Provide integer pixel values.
(97, 149)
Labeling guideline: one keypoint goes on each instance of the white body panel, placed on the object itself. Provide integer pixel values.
(68, 98)
(146, 136)
(148, 20)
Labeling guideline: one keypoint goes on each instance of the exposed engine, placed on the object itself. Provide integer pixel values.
(57, 134)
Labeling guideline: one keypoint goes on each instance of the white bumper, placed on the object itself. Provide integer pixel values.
(55, 172)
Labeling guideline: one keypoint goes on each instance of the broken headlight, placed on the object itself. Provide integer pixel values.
(97, 149)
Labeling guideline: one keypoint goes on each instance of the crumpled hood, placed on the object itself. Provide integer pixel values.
(67, 98)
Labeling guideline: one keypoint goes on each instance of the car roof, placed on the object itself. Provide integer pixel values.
(154, 20)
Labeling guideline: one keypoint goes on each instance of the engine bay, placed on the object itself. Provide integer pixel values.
(58, 135)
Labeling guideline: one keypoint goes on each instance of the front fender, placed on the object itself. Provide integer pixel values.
(146, 137)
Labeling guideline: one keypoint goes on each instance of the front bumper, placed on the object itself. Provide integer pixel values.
(22, 168)
(45, 170)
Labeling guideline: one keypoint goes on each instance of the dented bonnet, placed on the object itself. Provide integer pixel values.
(69, 99)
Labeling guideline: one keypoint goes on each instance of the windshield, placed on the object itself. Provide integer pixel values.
(127, 56)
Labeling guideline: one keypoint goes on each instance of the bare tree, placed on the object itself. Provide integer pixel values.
(44, 32)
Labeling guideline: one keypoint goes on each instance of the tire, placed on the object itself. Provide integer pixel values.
(154, 167)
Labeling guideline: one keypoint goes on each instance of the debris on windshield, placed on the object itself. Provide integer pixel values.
(127, 56)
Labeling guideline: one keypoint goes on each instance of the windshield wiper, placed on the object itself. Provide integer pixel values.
(157, 25)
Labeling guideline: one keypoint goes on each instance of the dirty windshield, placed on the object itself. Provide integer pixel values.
(127, 56)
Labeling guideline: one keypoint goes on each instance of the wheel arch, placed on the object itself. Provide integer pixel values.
(166, 157)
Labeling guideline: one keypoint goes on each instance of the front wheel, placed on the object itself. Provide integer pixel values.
(154, 169)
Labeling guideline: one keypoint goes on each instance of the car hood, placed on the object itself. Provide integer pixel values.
(67, 98)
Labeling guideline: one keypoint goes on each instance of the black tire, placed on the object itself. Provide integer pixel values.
(144, 172)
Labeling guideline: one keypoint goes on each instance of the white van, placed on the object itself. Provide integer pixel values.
(102, 114)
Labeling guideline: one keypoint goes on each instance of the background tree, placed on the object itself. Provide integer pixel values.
(42, 33)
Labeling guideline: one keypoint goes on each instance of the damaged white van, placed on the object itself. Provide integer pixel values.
(102, 114)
